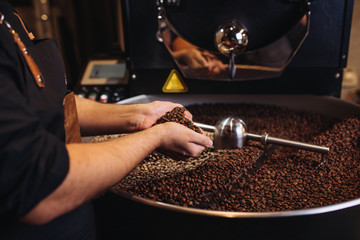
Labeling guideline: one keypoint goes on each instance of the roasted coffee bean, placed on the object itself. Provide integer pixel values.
(227, 180)
(177, 115)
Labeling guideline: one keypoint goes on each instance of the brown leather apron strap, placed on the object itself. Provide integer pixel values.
(39, 79)
(71, 123)
(30, 34)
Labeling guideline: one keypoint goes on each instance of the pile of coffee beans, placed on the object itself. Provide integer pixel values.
(187, 182)
(248, 180)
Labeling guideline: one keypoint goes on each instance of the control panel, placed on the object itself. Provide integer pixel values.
(102, 93)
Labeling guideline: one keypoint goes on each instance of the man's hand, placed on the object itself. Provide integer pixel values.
(151, 112)
(179, 139)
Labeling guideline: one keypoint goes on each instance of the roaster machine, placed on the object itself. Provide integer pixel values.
(283, 52)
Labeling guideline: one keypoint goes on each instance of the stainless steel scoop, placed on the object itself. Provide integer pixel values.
(230, 133)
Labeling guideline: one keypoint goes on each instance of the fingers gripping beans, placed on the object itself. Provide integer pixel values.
(177, 115)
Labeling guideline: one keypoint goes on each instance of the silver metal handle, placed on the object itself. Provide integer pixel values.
(205, 127)
(266, 139)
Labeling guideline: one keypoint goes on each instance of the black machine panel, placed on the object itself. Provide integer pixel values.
(315, 69)
(198, 20)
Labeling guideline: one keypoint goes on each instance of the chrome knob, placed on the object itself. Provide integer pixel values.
(229, 133)
(231, 38)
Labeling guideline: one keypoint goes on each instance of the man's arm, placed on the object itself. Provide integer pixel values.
(94, 167)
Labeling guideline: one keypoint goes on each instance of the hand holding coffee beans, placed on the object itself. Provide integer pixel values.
(177, 115)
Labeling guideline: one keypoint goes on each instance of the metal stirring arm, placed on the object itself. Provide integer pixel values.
(205, 127)
(266, 139)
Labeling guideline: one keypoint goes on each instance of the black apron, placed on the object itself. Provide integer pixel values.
(79, 223)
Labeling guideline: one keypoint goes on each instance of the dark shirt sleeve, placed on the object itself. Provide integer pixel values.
(33, 160)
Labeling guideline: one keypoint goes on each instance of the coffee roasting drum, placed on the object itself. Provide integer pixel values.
(286, 55)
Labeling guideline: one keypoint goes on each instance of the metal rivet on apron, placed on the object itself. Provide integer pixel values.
(25, 51)
(7, 24)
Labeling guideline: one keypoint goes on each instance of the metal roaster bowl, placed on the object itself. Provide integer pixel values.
(122, 215)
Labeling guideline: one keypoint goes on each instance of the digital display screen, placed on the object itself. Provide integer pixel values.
(105, 72)
(108, 71)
